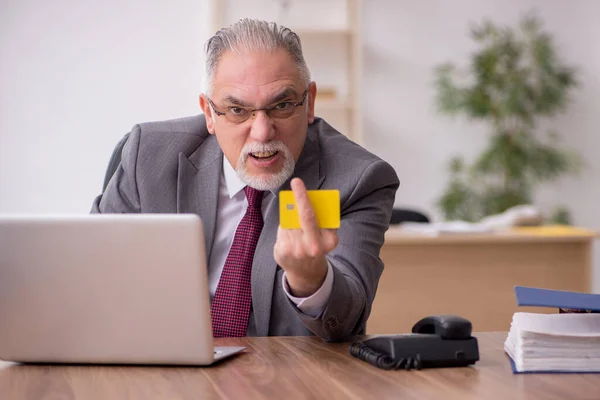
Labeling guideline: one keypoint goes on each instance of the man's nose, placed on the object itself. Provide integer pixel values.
(262, 129)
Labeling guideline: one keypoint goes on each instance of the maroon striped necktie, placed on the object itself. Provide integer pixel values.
(231, 304)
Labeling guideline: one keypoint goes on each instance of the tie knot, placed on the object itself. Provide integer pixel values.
(254, 196)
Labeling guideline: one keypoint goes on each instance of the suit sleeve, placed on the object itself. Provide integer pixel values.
(121, 193)
(356, 263)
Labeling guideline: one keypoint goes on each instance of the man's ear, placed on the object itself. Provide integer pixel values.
(208, 112)
(312, 94)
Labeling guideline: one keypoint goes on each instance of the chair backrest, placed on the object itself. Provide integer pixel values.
(400, 215)
(115, 160)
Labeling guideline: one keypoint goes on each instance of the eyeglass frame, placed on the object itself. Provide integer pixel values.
(253, 111)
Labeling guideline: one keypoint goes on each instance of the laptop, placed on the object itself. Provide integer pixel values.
(105, 289)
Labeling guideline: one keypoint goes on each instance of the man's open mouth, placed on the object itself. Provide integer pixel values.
(264, 155)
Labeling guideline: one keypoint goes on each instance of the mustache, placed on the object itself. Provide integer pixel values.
(272, 146)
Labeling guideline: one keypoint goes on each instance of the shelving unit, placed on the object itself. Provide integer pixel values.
(331, 35)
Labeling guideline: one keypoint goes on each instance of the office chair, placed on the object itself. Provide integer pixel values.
(400, 215)
(114, 161)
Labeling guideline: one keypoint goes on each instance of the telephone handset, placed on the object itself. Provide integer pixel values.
(436, 342)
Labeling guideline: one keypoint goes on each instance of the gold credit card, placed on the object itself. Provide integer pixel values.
(326, 204)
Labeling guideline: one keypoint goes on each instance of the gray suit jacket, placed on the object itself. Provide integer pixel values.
(174, 167)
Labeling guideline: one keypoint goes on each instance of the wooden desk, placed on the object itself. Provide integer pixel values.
(295, 368)
(473, 276)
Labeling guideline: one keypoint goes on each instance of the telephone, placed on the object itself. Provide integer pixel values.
(436, 342)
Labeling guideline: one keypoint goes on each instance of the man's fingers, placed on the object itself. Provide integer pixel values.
(330, 239)
(283, 244)
(308, 219)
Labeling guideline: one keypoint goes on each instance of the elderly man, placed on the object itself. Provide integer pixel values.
(258, 135)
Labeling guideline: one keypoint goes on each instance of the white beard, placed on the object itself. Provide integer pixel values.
(270, 182)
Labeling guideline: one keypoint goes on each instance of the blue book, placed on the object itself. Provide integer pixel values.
(528, 296)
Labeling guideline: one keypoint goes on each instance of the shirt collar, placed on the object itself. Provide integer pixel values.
(232, 181)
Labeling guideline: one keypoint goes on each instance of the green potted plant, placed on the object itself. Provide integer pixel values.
(514, 79)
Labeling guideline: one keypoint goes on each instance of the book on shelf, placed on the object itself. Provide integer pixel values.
(568, 341)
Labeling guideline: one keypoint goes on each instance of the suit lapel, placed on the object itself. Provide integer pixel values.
(198, 186)
(308, 167)
(264, 267)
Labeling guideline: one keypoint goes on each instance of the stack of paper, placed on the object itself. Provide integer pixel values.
(442, 228)
(554, 342)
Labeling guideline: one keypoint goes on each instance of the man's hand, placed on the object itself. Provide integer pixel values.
(301, 252)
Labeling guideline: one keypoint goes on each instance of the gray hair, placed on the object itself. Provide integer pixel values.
(251, 35)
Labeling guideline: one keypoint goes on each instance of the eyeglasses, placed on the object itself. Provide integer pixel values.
(282, 110)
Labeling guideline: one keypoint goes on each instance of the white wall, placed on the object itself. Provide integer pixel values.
(75, 76)
(406, 39)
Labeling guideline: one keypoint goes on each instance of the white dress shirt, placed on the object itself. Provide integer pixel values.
(231, 207)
